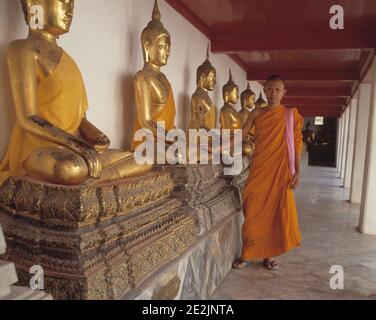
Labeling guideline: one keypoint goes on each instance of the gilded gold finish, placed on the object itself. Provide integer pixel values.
(52, 140)
(261, 103)
(203, 115)
(230, 118)
(247, 99)
(154, 96)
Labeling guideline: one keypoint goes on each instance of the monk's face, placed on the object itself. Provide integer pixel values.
(275, 91)
(58, 15)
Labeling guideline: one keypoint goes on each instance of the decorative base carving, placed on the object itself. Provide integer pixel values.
(205, 190)
(94, 242)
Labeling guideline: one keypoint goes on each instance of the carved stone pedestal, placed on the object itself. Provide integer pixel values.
(8, 277)
(94, 242)
(208, 192)
(215, 201)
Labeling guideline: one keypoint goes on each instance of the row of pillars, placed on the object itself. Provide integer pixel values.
(356, 152)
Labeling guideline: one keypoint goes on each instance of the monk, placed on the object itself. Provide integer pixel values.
(271, 225)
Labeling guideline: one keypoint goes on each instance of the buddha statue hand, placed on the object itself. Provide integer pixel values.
(91, 156)
(93, 161)
(102, 142)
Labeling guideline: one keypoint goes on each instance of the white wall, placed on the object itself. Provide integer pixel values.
(105, 42)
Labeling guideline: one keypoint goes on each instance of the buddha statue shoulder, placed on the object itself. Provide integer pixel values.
(203, 111)
(52, 140)
(153, 92)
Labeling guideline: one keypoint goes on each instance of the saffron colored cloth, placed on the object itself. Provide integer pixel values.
(61, 100)
(165, 113)
(271, 225)
(290, 139)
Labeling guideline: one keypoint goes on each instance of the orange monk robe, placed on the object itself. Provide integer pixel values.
(62, 101)
(271, 225)
(165, 113)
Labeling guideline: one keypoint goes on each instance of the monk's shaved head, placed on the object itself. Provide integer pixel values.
(276, 77)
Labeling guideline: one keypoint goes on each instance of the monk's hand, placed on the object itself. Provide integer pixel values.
(295, 180)
(93, 161)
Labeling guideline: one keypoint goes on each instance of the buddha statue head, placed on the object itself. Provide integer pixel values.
(206, 74)
(248, 98)
(156, 40)
(57, 14)
(261, 103)
(230, 91)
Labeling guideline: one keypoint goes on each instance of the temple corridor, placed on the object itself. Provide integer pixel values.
(329, 229)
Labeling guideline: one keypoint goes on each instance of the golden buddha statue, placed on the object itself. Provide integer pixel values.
(261, 103)
(154, 96)
(52, 140)
(247, 99)
(203, 114)
(230, 118)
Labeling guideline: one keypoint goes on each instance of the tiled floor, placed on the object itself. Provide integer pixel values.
(329, 228)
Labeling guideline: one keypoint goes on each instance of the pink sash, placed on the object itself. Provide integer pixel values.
(289, 113)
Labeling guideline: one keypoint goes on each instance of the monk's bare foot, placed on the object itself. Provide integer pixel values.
(240, 264)
(271, 265)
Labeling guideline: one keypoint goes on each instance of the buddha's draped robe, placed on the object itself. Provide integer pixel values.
(271, 225)
(61, 100)
(209, 119)
(164, 114)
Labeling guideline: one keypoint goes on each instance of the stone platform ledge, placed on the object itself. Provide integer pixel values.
(204, 189)
(81, 206)
(94, 242)
(200, 270)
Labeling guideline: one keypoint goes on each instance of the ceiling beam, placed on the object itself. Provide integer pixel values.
(330, 108)
(315, 101)
(293, 41)
(325, 74)
(318, 91)
(327, 115)
(188, 14)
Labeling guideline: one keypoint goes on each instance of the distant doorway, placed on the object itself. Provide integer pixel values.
(320, 139)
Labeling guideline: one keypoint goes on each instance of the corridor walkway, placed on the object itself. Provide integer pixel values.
(329, 228)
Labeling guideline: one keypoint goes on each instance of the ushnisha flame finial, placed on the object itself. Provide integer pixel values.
(156, 16)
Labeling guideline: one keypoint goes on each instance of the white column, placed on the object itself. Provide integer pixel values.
(341, 143)
(350, 143)
(345, 139)
(367, 223)
(364, 102)
(339, 128)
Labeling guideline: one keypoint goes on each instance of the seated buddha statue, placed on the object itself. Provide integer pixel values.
(154, 96)
(229, 117)
(203, 111)
(247, 99)
(52, 140)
